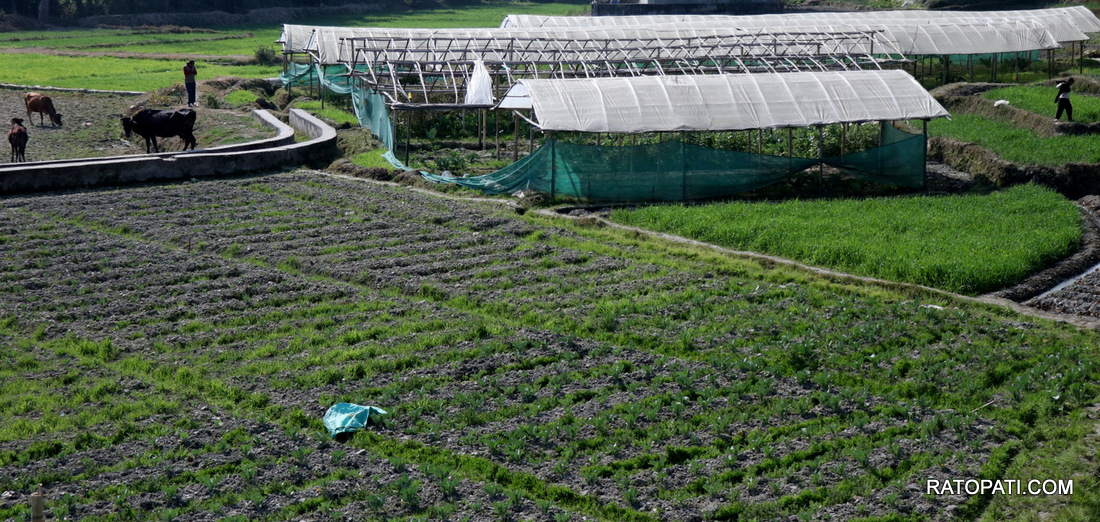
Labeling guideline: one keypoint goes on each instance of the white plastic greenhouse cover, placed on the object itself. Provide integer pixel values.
(1067, 24)
(723, 102)
(295, 37)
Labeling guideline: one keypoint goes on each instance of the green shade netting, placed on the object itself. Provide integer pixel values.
(345, 417)
(296, 74)
(899, 161)
(673, 170)
(668, 171)
(371, 111)
(334, 78)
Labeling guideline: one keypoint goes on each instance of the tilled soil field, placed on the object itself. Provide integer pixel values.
(173, 348)
(90, 126)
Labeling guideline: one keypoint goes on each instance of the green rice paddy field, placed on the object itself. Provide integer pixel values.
(173, 348)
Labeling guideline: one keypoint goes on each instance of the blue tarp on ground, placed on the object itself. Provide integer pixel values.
(345, 417)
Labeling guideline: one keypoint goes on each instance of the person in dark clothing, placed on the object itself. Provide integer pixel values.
(1062, 99)
(189, 73)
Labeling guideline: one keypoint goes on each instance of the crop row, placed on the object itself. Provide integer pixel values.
(698, 388)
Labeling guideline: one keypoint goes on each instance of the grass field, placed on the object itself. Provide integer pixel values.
(1040, 100)
(968, 244)
(217, 48)
(532, 370)
(1018, 144)
(172, 349)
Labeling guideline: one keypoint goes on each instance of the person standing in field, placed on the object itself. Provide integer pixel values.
(1062, 99)
(189, 73)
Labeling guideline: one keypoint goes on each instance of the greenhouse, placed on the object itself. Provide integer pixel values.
(952, 36)
(673, 169)
(426, 69)
(1054, 19)
(395, 75)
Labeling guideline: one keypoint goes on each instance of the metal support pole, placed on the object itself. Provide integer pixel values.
(515, 137)
(553, 163)
(924, 161)
(843, 137)
(683, 169)
(408, 136)
(820, 159)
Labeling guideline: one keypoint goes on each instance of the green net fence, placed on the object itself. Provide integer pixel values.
(673, 170)
(665, 171)
(333, 78)
(297, 74)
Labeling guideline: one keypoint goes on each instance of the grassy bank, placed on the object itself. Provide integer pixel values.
(1040, 100)
(968, 244)
(1017, 144)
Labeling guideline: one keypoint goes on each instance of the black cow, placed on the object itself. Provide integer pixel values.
(152, 123)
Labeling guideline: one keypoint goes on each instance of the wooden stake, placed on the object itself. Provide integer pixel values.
(38, 506)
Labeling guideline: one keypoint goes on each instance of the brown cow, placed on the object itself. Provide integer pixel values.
(17, 137)
(42, 104)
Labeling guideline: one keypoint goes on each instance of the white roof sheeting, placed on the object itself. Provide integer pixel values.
(912, 38)
(723, 102)
(295, 37)
(1066, 24)
(993, 37)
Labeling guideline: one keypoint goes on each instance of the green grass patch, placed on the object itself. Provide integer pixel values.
(967, 244)
(1016, 144)
(330, 112)
(107, 73)
(371, 158)
(240, 97)
(485, 15)
(1040, 100)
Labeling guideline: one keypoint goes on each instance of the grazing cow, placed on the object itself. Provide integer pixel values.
(152, 123)
(17, 137)
(42, 104)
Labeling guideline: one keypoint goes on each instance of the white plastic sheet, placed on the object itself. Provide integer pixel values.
(724, 102)
(1066, 24)
(479, 91)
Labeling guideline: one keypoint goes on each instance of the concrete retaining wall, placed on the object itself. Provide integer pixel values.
(267, 154)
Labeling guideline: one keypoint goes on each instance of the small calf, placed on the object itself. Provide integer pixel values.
(17, 137)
